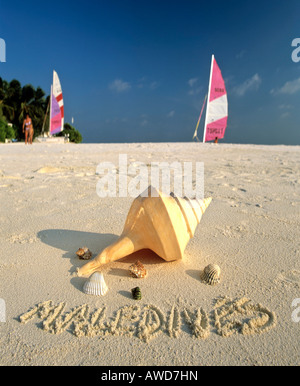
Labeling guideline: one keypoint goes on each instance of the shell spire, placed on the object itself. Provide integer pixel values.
(164, 224)
(192, 211)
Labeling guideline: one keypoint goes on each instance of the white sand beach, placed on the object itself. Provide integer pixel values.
(251, 229)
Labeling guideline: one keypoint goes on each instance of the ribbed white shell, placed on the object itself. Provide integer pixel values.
(211, 274)
(95, 285)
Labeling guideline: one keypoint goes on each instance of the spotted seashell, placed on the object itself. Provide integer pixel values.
(136, 293)
(84, 253)
(137, 270)
(211, 274)
(95, 285)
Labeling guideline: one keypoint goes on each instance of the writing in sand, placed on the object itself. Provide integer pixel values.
(148, 321)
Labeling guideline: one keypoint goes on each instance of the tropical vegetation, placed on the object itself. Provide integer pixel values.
(73, 134)
(16, 101)
(6, 131)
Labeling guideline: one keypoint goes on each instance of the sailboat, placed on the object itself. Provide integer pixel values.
(216, 108)
(56, 107)
(56, 118)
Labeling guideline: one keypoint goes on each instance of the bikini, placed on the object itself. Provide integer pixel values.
(28, 124)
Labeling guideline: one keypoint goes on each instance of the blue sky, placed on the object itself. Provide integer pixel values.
(134, 71)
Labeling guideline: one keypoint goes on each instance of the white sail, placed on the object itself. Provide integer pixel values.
(56, 106)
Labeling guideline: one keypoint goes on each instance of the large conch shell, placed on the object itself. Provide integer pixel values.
(164, 224)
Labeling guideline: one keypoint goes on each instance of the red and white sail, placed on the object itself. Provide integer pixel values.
(217, 105)
(56, 106)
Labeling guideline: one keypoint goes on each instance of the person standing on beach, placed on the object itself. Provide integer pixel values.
(27, 123)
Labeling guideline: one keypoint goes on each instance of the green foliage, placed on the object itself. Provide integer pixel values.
(74, 135)
(6, 131)
(16, 101)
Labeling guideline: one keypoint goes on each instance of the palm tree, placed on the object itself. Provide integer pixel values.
(16, 101)
(6, 110)
(33, 103)
(27, 97)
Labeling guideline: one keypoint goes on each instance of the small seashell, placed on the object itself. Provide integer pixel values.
(95, 285)
(137, 270)
(136, 293)
(84, 253)
(211, 274)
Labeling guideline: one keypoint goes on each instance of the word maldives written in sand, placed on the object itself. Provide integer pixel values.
(148, 321)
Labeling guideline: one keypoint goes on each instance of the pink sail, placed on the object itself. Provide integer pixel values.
(217, 105)
(57, 106)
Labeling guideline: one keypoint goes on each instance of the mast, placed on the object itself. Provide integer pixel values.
(196, 131)
(209, 88)
(43, 128)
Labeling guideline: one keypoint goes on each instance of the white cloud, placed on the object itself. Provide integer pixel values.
(241, 54)
(192, 82)
(144, 122)
(291, 87)
(285, 110)
(285, 107)
(193, 89)
(119, 86)
(171, 114)
(249, 85)
(144, 83)
(285, 115)
(154, 85)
